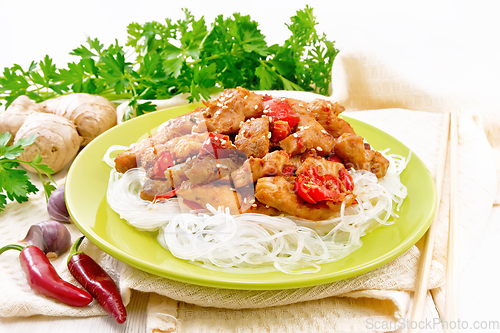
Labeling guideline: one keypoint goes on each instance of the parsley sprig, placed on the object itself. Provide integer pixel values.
(15, 183)
(161, 60)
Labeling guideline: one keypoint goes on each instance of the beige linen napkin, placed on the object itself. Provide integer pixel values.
(402, 105)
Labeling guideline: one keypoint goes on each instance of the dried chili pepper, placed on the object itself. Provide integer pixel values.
(97, 282)
(43, 278)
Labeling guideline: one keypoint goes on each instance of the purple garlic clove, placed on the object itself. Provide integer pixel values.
(52, 237)
(56, 207)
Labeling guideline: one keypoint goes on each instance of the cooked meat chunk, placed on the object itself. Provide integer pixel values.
(225, 114)
(171, 129)
(259, 208)
(321, 166)
(377, 163)
(352, 150)
(205, 169)
(177, 173)
(180, 149)
(309, 135)
(154, 188)
(279, 193)
(217, 194)
(297, 160)
(125, 161)
(326, 113)
(253, 137)
(270, 165)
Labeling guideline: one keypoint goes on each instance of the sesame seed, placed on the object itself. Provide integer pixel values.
(256, 107)
(246, 96)
(218, 165)
(323, 131)
(254, 205)
(295, 135)
(269, 135)
(271, 119)
(319, 149)
(245, 200)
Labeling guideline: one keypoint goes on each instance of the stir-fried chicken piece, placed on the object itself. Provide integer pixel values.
(206, 169)
(217, 194)
(180, 149)
(352, 150)
(171, 129)
(253, 137)
(309, 135)
(321, 166)
(259, 208)
(279, 193)
(326, 113)
(154, 188)
(225, 114)
(255, 168)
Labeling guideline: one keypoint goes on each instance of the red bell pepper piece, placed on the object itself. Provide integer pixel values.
(280, 110)
(97, 282)
(280, 131)
(214, 144)
(162, 163)
(42, 277)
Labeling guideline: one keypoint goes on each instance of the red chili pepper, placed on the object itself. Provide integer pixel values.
(97, 282)
(42, 277)
(280, 109)
(162, 163)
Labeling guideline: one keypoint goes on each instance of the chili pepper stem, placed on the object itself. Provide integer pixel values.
(74, 248)
(11, 247)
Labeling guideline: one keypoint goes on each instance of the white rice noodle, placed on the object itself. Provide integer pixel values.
(123, 196)
(254, 243)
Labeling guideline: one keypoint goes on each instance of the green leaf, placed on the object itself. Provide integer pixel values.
(4, 139)
(266, 77)
(83, 52)
(3, 201)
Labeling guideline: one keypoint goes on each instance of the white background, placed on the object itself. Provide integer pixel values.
(31, 29)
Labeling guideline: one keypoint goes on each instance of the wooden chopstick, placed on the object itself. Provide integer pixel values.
(451, 297)
(426, 257)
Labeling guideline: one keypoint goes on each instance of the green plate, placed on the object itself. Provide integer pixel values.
(87, 182)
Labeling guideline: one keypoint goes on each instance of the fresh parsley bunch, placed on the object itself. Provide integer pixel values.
(160, 61)
(15, 183)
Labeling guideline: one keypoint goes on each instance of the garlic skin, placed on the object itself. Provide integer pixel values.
(56, 207)
(52, 237)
